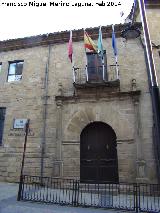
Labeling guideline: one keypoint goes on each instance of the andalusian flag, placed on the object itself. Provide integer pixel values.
(89, 43)
(70, 47)
(100, 45)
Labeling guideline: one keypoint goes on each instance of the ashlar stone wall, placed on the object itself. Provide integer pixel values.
(58, 115)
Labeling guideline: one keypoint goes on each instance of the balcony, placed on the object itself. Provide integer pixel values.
(94, 77)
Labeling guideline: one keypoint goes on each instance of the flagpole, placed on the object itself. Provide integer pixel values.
(103, 67)
(115, 53)
(86, 68)
(100, 51)
(86, 71)
(102, 54)
(73, 71)
(70, 55)
(117, 70)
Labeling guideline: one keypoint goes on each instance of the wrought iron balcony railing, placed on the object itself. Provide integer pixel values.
(96, 75)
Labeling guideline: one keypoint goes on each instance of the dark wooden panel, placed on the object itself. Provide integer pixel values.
(98, 153)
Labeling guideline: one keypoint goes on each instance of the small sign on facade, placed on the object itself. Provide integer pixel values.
(19, 123)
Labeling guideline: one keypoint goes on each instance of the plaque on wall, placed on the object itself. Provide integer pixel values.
(19, 123)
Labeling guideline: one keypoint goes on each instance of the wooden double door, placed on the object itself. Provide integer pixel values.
(98, 154)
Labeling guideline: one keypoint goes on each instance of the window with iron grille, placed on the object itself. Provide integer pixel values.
(2, 119)
(15, 71)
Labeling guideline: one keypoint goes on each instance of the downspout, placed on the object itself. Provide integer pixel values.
(155, 95)
(44, 113)
(154, 135)
(146, 61)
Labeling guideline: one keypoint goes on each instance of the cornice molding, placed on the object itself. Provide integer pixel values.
(109, 95)
(59, 37)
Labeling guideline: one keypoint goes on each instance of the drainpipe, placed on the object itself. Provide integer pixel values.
(153, 84)
(45, 102)
(151, 93)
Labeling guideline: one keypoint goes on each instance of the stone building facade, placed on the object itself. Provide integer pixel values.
(67, 119)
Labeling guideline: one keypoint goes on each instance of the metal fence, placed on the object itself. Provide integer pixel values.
(125, 196)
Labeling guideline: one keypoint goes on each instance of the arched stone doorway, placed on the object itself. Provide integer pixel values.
(98, 153)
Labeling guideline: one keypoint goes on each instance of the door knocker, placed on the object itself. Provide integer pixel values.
(107, 147)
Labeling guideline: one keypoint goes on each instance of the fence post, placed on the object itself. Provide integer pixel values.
(75, 194)
(136, 198)
(20, 188)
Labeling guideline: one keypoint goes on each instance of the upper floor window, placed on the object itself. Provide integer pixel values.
(15, 71)
(96, 67)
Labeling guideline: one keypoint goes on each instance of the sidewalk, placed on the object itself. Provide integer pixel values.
(9, 204)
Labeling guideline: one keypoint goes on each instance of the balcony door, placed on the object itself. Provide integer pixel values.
(96, 66)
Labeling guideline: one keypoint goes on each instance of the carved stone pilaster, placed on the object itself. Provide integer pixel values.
(60, 89)
(57, 167)
(133, 85)
(140, 162)
(141, 171)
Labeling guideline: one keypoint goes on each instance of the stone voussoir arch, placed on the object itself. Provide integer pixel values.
(78, 122)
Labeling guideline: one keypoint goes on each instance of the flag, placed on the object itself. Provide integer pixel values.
(70, 47)
(114, 45)
(100, 45)
(89, 43)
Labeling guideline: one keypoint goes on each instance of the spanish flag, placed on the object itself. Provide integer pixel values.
(89, 43)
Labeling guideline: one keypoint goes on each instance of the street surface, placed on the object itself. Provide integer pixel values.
(9, 204)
